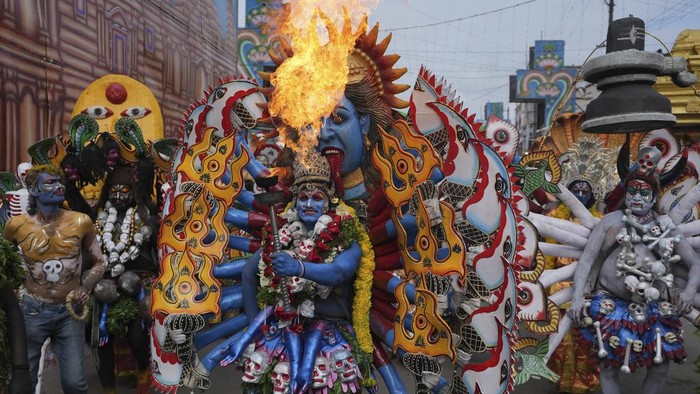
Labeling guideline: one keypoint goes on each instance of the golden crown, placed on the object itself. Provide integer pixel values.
(311, 167)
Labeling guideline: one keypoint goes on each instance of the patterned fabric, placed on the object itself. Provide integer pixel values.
(618, 326)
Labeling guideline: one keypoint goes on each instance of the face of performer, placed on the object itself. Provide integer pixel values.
(112, 157)
(72, 172)
(311, 205)
(640, 197)
(50, 189)
(342, 137)
(582, 191)
(120, 196)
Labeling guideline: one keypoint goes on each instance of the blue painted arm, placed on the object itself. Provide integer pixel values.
(340, 270)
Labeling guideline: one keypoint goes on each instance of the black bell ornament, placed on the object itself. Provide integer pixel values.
(625, 74)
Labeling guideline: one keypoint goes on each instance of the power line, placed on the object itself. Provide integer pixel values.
(462, 18)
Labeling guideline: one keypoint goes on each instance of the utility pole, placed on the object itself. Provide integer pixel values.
(611, 7)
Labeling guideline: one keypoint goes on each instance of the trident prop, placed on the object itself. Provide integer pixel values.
(270, 198)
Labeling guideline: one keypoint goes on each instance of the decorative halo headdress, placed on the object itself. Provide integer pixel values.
(588, 160)
(312, 170)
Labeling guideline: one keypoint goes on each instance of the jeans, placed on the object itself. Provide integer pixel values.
(51, 320)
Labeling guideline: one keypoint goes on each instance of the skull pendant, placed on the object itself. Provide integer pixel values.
(344, 365)
(322, 371)
(255, 366)
(614, 341)
(638, 312)
(281, 378)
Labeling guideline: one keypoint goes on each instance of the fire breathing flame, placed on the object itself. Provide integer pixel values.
(310, 84)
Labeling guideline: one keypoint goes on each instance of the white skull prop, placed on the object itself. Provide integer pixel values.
(305, 248)
(322, 369)
(51, 269)
(614, 342)
(607, 306)
(297, 229)
(297, 284)
(648, 158)
(670, 337)
(631, 283)
(322, 223)
(652, 294)
(281, 378)
(344, 365)
(637, 346)
(655, 231)
(666, 308)
(22, 170)
(638, 312)
(285, 236)
(255, 366)
(642, 287)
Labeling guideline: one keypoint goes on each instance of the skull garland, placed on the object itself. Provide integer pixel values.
(321, 374)
(292, 231)
(52, 269)
(255, 366)
(642, 275)
(281, 378)
(344, 365)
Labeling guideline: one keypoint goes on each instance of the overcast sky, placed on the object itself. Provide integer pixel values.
(477, 54)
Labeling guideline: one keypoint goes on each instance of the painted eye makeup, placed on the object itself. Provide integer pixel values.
(318, 196)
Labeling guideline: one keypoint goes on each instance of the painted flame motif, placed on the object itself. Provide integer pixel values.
(185, 283)
(429, 333)
(427, 257)
(310, 84)
(400, 169)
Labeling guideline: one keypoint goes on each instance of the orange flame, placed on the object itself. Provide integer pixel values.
(310, 84)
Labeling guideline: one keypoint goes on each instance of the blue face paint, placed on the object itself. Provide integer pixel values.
(50, 189)
(582, 191)
(310, 206)
(343, 133)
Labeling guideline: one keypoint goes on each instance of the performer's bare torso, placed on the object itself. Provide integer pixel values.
(52, 251)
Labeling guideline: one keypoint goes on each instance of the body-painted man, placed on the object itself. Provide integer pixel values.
(51, 239)
(632, 318)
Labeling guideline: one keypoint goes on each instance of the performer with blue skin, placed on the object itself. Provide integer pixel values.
(321, 290)
(51, 240)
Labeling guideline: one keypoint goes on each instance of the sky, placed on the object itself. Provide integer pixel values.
(477, 44)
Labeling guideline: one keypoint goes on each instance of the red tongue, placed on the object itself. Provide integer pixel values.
(335, 161)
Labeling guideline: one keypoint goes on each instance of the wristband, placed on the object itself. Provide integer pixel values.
(302, 269)
(20, 367)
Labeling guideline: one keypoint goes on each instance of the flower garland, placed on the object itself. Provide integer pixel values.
(363, 286)
(339, 233)
(131, 235)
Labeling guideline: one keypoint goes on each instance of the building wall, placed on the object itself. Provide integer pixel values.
(50, 51)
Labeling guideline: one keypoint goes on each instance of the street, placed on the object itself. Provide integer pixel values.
(682, 379)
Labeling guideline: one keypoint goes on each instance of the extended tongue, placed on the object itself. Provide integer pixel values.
(335, 162)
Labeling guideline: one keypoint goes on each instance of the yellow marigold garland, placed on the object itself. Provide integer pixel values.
(363, 284)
